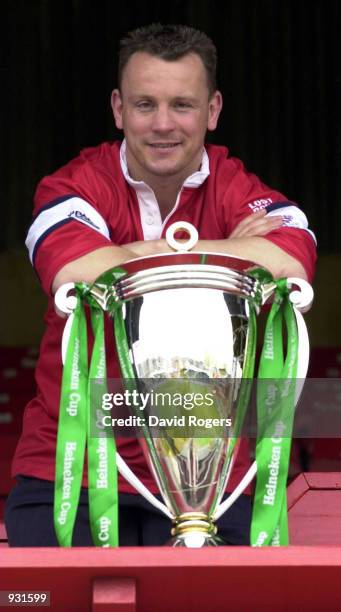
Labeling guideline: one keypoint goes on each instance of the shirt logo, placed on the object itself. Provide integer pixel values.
(77, 214)
(257, 205)
(289, 221)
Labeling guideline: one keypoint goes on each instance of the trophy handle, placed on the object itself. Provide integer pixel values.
(301, 300)
(65, 305)
(64, 302)
(245, 481)
(179, 226)
(136, 483)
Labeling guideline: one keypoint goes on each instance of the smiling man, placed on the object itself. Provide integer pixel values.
(114, 202)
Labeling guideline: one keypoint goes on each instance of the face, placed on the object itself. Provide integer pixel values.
(165, 109)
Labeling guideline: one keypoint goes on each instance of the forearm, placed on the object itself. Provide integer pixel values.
(260, 250)
(88, 267)
(254, 248)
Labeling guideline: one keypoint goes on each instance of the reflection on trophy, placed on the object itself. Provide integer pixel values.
(185, 324)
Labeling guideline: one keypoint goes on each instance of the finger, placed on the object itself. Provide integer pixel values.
(257, 227)
(266, 228)
(246, 225)
(249, 221)
(265, 224)
(252, 218)
(259, 213)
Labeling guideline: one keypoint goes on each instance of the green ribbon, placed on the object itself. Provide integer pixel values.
(275, 414)
(80, 425)
(71, 438)
(102, 469)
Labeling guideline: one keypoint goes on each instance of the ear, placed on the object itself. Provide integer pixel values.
(117, 105)
(215, 105)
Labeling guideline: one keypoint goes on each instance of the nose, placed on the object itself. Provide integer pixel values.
(163, 120)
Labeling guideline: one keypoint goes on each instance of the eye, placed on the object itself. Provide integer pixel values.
(144, 105)
(182, 105)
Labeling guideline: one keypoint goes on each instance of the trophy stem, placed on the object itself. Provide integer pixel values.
(194, 530)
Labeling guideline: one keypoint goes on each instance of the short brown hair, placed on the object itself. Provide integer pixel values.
(170, 42)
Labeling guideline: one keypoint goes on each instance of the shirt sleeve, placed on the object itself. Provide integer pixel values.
(247, 194)
(71, 215)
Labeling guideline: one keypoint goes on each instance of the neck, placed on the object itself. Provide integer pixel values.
(166, 196)
(166, 188)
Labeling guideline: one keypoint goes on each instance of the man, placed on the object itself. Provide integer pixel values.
(115, 202)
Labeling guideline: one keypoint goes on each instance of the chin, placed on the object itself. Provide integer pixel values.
(169, 171)
(164, 166)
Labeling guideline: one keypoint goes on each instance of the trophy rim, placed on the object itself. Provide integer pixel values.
(143, 275)
(193, 257)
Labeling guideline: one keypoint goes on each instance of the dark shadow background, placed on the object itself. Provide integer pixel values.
(279, 71)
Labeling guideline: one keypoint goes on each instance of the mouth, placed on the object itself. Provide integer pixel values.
(164, 145)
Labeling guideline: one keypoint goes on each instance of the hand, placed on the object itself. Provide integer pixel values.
(256, 224)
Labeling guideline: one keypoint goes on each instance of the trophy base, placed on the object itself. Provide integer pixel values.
(196, 539)
(194, 530)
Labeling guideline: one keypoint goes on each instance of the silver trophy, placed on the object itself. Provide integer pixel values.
(186, 323)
